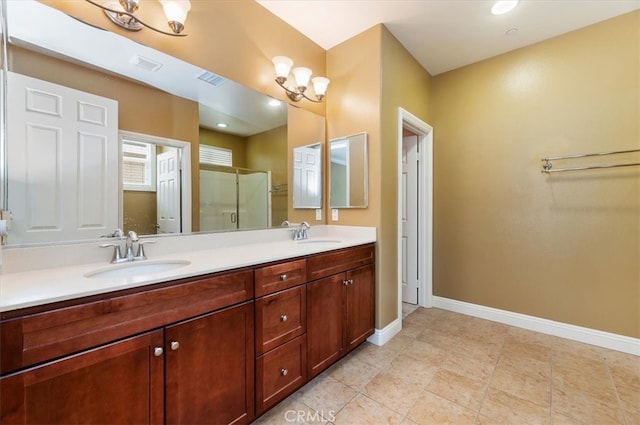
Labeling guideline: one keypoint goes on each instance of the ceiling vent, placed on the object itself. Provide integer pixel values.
(146, 64)
(211, 78)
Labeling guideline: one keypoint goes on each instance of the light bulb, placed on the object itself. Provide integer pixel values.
(176, 12)
(503, 6)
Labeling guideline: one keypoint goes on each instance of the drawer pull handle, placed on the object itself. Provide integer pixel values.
(284, 276)
(157, 351)
(284, 372)
(284, 318)
(175, 345)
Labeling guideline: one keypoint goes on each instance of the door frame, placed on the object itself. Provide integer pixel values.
(425, 207)
(185, 164)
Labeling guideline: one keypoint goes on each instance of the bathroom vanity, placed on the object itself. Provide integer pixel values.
(223, 346)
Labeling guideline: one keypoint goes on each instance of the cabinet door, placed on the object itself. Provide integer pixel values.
(117, 383)
(325, 322)
(360, 305)
(210, 368)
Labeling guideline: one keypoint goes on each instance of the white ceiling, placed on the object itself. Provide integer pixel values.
(445, 34)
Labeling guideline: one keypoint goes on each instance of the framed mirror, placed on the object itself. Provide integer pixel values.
(307, 176)
(348, 172)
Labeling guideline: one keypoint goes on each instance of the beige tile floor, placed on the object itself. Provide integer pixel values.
(448, 368)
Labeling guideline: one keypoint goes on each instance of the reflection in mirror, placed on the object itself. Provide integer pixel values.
(157, 95)
(307, 176)
(348, 172)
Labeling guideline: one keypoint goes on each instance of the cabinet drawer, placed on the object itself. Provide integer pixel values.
(280, 317)
(276, 277)
(326, 264)
(280, 372)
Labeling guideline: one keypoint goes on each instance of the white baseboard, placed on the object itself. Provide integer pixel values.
(577, 333)
(384, 335)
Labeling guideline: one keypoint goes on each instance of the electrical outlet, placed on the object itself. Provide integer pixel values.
(319, 214)
(334, 214)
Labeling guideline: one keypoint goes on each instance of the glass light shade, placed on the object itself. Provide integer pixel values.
(503, 6)
(176, 10)
(302, 76)
(283, 65)
(320, 85)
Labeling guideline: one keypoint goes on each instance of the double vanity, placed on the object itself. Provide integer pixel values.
(213, 328)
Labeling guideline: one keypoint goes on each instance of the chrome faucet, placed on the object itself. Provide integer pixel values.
(300, 232)
(131, 239)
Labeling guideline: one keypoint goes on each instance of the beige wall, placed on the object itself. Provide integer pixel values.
(564, 247)
(371, 76)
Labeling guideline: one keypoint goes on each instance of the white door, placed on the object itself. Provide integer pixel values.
(410, 269)
(307, 172)
(168, 191)
(63, 168)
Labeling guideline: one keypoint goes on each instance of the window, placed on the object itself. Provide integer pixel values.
(138, 165)
(215, 156)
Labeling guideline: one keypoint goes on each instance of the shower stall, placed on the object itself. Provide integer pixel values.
(234, 198)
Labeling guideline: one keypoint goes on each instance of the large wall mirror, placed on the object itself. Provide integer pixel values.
(348, 172)
(226, 136)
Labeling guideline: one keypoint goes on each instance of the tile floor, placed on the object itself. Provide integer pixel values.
(448, 368)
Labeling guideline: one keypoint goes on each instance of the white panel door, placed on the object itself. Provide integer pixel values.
(410, 271)
(62, 147)
(168, 191)
(307, 171)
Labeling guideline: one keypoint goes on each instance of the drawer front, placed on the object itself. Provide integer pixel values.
(276, 277)
(323, 265)
(42, 336)
(280, 372)
(280, 317)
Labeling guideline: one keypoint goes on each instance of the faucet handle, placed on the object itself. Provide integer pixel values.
(117, 254)
(141, 255)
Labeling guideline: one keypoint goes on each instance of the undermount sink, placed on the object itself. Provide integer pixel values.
(319, 241)
(136, 269)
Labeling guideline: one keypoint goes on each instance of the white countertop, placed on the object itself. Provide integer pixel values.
(59, 277)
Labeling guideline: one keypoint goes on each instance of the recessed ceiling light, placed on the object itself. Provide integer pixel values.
(503, 6)
(222, 125)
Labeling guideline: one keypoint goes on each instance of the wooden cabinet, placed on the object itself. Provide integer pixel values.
(340, 307)
(209, 368)
(203, 366)
(220, 348)
(117, 383)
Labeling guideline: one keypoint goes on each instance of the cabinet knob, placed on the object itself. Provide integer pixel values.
(284, 276)
(345, 282)
(158, 351)
(175, 345)
(284, 318)
(284, 372)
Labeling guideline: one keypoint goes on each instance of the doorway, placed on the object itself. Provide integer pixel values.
(415, 210)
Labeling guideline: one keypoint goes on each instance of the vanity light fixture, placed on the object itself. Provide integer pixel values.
(302, 76)
(122, 13)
